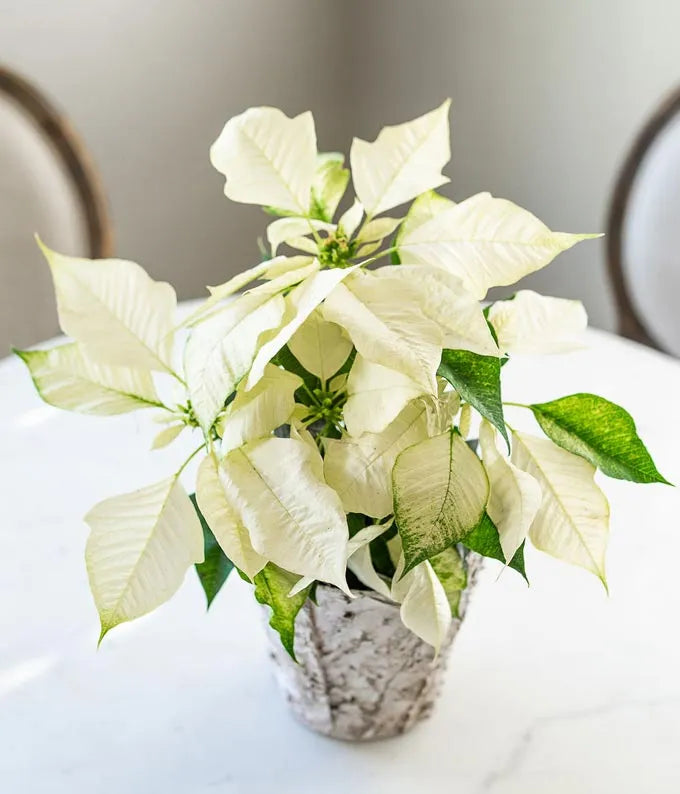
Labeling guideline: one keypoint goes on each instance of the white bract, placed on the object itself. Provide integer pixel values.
(332, 399)
(139, 550)
(533, 323)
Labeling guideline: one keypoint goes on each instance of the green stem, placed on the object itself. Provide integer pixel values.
(190, 458)
(378, 256)
(311, 395)
(315, 234)
(518, 405)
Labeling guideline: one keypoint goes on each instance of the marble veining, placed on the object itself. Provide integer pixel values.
(552, 689)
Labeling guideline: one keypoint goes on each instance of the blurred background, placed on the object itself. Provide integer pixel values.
(547, 96)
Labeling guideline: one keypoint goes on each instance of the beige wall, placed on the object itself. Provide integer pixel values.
(149, 85)
(547, 95)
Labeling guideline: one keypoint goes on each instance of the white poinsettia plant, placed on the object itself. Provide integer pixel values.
(333, 400)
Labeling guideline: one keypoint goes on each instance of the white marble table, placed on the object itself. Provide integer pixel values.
(551, 689)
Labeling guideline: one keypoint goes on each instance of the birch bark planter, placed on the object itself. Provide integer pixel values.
(361, 674)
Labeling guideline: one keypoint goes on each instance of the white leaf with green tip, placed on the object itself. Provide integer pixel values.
(294, 519)
(450, 570)
(167, 435)
(300, 303)
(376, 396)
(139, 549)
(360, 469)
(486, 242)
(423, 209)
(67, 379)
(220, 351)
(330, 182)
(440, 493)
(350, 220)
(320, 346)
(537, 324)
(256, 413)
(214, 494)
(268, 158)
(425, 608)
(515, 495)
(284, 230)
(377, 230)
(387, 326)
(572, 522)
(403, 161)
(117, 313)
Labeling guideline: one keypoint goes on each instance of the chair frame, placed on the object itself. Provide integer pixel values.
(631, 325)
(74, 155)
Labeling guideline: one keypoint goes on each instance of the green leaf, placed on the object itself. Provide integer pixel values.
(450, 570)
(356, 522)
(485, 540)
(329, 185)
(380, 553)
(272, 586)
(440, 492)
(601, 432)
(478, 381)
(216, 567)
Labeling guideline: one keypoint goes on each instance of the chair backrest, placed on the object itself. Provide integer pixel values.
(47, 186)
(643, 239)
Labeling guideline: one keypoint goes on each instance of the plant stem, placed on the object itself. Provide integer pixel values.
(189, 459)
(315, 234)
(380, 255)
(311, 395)
(517, 405)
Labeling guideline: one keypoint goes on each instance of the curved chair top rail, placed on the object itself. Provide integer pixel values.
(72, 152)
(631, 325)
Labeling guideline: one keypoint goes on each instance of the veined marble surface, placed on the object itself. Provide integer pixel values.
(552, 689)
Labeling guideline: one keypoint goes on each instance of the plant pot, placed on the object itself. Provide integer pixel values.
(361, 674)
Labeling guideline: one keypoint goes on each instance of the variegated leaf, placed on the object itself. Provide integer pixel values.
(66, 378)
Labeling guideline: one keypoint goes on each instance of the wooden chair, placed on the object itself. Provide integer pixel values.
(643, 235)
(48, 185)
